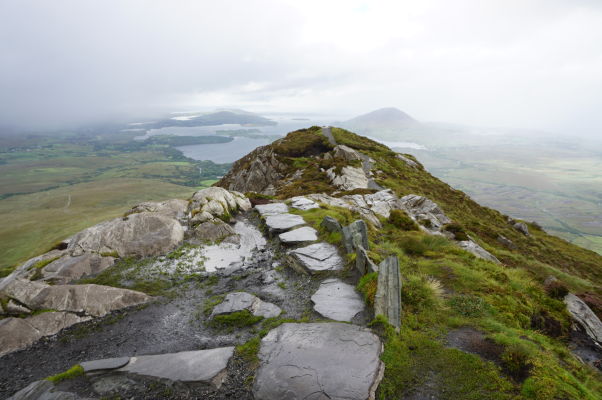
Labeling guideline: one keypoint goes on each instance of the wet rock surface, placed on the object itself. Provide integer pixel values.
(318, 360)
(337, 300)
(241, 301)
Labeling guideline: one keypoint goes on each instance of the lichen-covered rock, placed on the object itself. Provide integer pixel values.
(345, 153)
(18, 333)
(141, 234)
(331, 224)
(303, 203)
(12, 308)
(22, 290)
(318, 361)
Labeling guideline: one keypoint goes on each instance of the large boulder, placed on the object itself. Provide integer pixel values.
(318, 361)
(585, 317)
(141, 234)
(18, 333)
(345, 153)
(94, 300)
(213, 231)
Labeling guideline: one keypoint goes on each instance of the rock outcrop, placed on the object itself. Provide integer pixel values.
(215, 202)
(350, 178)
(174, 208)
(318, 361)
(426, 212)
(141, 235)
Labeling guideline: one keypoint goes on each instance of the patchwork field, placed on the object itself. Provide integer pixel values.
(66, 183)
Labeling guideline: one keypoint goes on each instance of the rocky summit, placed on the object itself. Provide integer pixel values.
(321, 266)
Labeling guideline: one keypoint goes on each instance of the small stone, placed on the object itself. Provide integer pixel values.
(478, 251)
(105, 364)
(316, 258)
(271, 209)
(337, 300)
(240, 301)
(299, 235)
(506, 242)
(283, 222)
(522, 228)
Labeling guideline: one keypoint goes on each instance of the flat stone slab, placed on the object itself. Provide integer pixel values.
(299, 235)
(337, 300)
(240, 301)
(283, 222)
(317, 257)
(303, 203)
(318, 361)
(271, 209)
(201, 366)
(105, 364)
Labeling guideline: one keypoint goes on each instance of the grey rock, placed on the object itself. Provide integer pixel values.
(283, 222)
(22, 290)
(201, 366)
(522, 228)
(27, 270)
(239, 301)
(478, 251)
(355, 235)
(350, 178)
(503, 240)
(18, 333)
(422, 209)
(218, 202)
(408, 161)
(318, 361)
(142, 234)
(213, 231)
(299, 235)
(105, 364)
(316, 258)
(94, 300)
(271, 209)
(337, 300)
(42, 390)
(68, 268)
(387, 301)
(331, 224)
(303, 203)
(585, 317)
(363, 263)
(345, 153)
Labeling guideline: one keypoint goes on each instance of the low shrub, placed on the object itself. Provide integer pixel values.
(367, 286)
(468, 306)
(516, 360)
(401, 220)
(557, 290)
(457, 230)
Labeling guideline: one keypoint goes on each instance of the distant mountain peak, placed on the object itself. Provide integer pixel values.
(388, 117)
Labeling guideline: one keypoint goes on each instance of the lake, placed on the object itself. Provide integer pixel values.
(222, 153)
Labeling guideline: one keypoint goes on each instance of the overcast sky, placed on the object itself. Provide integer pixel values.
(524, 63)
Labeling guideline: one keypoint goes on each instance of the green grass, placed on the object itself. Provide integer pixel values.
(238, 319)
(71, 373)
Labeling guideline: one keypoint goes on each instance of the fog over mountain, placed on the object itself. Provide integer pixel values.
(533, 64)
